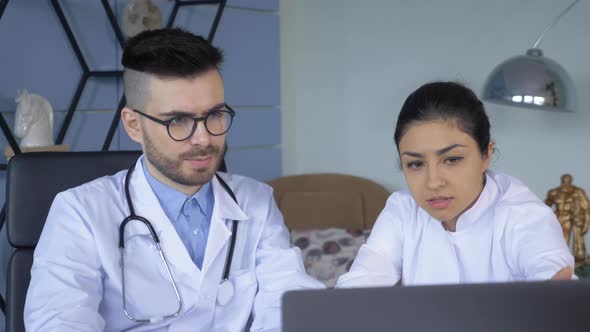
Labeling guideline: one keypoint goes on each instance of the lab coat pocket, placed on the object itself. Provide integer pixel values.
(233, 315)
(149, 292)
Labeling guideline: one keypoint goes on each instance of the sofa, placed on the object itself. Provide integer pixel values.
(329, 216)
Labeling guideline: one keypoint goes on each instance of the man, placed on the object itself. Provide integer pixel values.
(176, 111)
(572, 208)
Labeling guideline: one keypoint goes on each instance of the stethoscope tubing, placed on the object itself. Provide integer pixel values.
(133, 216)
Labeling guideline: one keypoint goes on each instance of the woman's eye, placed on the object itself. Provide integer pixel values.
(414, 164)
(453, 160)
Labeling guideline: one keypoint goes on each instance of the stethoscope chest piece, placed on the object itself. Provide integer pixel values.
(225, 292)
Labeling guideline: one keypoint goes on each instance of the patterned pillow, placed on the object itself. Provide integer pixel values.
(328, 253)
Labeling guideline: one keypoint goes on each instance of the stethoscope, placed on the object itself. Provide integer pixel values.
(226, 289)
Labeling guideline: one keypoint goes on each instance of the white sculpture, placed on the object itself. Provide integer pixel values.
(140, 15)
(33, 121)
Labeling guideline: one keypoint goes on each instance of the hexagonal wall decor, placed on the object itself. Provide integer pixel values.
(88, 73)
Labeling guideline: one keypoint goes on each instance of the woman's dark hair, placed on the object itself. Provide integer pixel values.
(448, 101)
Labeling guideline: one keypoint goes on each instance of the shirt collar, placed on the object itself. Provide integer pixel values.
(487, 198)
(173, 200)
(204, 197)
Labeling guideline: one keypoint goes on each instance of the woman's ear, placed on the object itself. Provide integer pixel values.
(132, 124)
(488, 155)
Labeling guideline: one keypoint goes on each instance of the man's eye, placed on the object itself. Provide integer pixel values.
(216, 114)
(180, 121)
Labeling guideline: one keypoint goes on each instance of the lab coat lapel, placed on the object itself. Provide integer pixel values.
(224, 210)
(147, 205)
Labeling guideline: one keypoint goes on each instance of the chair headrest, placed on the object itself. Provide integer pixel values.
(33, 180)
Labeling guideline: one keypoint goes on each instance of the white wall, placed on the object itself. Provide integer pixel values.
(348, 65)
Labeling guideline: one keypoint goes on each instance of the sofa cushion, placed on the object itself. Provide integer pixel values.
(328, 253)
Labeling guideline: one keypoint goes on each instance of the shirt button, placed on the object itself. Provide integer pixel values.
(196, 231)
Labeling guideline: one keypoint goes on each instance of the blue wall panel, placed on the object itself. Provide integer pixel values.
(272, 5)
(197, 19)
(93, 32)
(254, 127)
(250, 41)
(252, 68)
(87, 130)
(263, 164)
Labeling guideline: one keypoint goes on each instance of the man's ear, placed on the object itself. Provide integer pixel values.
(132, 125)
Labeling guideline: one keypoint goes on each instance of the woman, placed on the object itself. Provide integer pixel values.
(459, 222)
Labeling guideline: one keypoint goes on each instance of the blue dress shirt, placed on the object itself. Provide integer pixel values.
(191, 216)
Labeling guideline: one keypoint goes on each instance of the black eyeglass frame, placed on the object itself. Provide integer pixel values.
(167, 123)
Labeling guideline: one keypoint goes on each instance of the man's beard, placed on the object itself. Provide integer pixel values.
(172, 168)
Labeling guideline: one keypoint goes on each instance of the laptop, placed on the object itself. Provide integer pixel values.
(547, 306)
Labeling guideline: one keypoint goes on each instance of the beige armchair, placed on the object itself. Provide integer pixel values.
(319, 201)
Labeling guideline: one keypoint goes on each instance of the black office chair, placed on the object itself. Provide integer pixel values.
(33, 180)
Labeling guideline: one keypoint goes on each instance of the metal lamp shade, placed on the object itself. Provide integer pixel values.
(531, 80)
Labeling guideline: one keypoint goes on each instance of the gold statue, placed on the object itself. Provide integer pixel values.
(572, 208)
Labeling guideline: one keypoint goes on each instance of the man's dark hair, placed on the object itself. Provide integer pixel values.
(170, 53)
(164, 53)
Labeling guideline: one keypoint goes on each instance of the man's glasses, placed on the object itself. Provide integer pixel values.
(181, 127)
